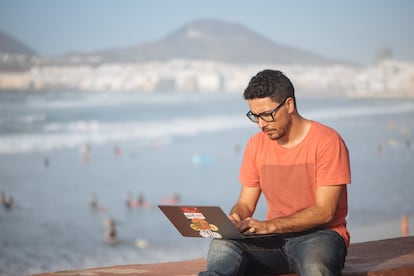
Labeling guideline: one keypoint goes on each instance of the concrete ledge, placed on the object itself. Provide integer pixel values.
(384, 257)
(191, 267)
(375, 258)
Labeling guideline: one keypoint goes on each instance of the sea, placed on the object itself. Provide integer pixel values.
(61, 149)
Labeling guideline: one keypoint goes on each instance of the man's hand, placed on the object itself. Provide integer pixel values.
(242, 225)
(235, 218)
(252, 226)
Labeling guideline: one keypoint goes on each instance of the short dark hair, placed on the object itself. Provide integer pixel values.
(269, 83)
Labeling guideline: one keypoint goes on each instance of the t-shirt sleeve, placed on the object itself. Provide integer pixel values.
(333, 167)
(249, 172)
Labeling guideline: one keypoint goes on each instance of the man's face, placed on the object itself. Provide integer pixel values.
(273, 118)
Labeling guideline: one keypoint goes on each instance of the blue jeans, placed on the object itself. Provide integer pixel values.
(316, 252)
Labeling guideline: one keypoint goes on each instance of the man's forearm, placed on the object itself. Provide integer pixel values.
(242, 210)
(301, 221)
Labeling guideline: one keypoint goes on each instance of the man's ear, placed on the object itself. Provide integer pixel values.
(291, 105)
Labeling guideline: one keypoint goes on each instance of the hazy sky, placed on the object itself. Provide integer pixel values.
(353, 29)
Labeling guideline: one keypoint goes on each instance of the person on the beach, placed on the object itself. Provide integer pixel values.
(129, 201)
(302, 168)
(8, 202)
(110, 232)
(141, 200)
(93, 201)
(2, 197)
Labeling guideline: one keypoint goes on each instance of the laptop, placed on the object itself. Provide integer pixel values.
(204, 221)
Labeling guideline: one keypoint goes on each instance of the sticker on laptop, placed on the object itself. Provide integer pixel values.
(192, 212)
(205, 229)
(200, 224)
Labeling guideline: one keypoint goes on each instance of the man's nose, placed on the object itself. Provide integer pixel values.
(262, 122)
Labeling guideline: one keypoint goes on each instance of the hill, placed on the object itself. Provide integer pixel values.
(204, 39)
(10, 45)
(216, 40)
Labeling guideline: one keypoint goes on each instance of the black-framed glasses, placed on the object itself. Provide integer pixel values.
(265, 116)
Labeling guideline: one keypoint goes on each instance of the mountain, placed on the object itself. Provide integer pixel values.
(204, 39)
(9, 45)
(217, 40)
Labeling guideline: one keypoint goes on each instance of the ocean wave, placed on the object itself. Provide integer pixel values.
(25, 119)
(76, 134)
(73, 100)
(358, 111)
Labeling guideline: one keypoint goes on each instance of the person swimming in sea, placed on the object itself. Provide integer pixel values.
(111, 234)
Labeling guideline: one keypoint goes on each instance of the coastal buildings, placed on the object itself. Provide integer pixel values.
(388, 79)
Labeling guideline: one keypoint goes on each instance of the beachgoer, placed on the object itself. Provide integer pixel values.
(8, 202)
(117, 151)
(46, 162)
(93, 201)
(129, 201)
(404, 225)
(2, 197)
(174, 199)
(379, 149)
(110, 232)
(86, 149)
(302, 168)
(141, 200)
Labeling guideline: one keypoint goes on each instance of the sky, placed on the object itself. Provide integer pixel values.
(353, 30)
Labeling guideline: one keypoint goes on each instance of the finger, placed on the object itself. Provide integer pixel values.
(234, 218)
(243, 226)
(249, 231)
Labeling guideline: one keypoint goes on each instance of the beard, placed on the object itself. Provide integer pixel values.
(277, 133)
(274, 133)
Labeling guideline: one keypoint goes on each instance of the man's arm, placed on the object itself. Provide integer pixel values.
(320, 213)
(246, 204)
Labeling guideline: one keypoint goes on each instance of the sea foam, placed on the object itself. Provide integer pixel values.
(75, 134)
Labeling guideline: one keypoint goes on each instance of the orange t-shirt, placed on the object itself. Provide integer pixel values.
(289, 177)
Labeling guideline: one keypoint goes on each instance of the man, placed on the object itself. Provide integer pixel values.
(302, 168)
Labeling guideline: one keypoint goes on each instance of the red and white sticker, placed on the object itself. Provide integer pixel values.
(192, 212)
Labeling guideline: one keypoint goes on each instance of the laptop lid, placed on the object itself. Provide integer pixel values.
(202, 221)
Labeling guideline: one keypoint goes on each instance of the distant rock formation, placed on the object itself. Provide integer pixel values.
(10, 45)
(215, 40)
(204, 39)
